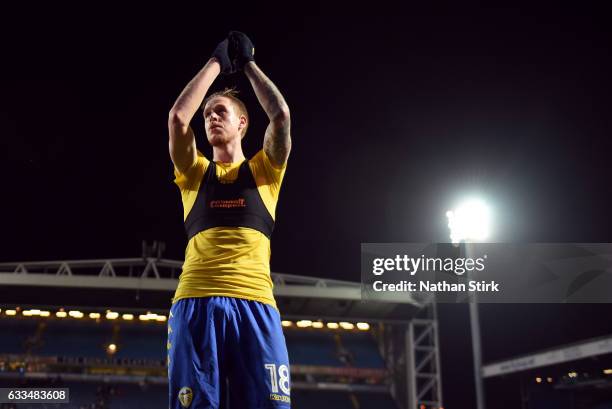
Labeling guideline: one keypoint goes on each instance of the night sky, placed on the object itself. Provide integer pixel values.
(394, 118)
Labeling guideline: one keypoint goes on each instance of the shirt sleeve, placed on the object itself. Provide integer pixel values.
(190, 180)
(268, 174)
(268, 179)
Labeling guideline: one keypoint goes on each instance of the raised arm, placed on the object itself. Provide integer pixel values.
(181, 142)
(277, 140)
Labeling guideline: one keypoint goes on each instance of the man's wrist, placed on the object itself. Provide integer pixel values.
(249, 66)
(214, 64)
(214, 60)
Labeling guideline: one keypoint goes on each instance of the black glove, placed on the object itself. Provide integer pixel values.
(241, 50)
(221, 54)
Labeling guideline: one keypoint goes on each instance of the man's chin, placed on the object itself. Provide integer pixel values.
(216, 142)
(219, 140)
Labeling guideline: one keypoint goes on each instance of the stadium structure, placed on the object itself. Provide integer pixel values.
(99, 328)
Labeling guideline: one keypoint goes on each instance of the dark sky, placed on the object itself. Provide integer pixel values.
(394, 118)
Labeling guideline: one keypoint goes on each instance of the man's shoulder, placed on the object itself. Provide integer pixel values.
(192, 175)
(262, 159)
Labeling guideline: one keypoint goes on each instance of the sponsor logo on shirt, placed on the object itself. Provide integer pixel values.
(227, 204)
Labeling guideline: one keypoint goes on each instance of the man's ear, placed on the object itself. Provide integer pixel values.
(243, 123)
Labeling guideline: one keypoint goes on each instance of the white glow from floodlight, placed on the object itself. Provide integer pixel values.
(286, 323)
(11, 312)
(45, 313)
(333, 325)
(607, 371)
(364, 326)
(161, 318)
(539, 380)
(94, 315)
(317, 324)
(470, 221)
(61, 314)
(572, 374)
(128, 317)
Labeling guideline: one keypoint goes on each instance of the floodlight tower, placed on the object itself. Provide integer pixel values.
(470, 223)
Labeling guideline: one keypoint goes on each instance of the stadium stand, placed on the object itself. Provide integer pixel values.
(15, 333)
(311, 347)
(138, 341)
(75, 339)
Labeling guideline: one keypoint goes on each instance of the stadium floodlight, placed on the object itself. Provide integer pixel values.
(27, 313)
(45, 313)
(607, 371)
(61, 314)
(538, 380)
(76, 314)
(128, 317)
(286, 323)
(333, 325)
(364, 326)
(470, 221)
(161, 318)
(11, 312)
(94, 315)
(304, 323)
(317, 324)
(347, 325)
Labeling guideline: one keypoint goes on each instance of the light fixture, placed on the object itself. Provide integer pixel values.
(347, 325)
(364, 326)
(304, 323)
(470, 221)
(111, 348)
(110, 315)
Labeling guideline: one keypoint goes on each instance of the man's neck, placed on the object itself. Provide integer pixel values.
(228, 153)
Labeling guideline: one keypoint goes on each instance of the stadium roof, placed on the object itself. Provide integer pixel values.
(149, 283)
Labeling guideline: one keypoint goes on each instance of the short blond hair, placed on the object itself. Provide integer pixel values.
(232, 94)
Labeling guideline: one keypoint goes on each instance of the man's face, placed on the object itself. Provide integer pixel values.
(223, 124)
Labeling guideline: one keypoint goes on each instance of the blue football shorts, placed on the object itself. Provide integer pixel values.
(224, 349)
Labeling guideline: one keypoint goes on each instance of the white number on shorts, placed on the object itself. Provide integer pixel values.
(283, 374)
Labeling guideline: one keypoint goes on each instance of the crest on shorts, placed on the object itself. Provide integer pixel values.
(185, 396)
